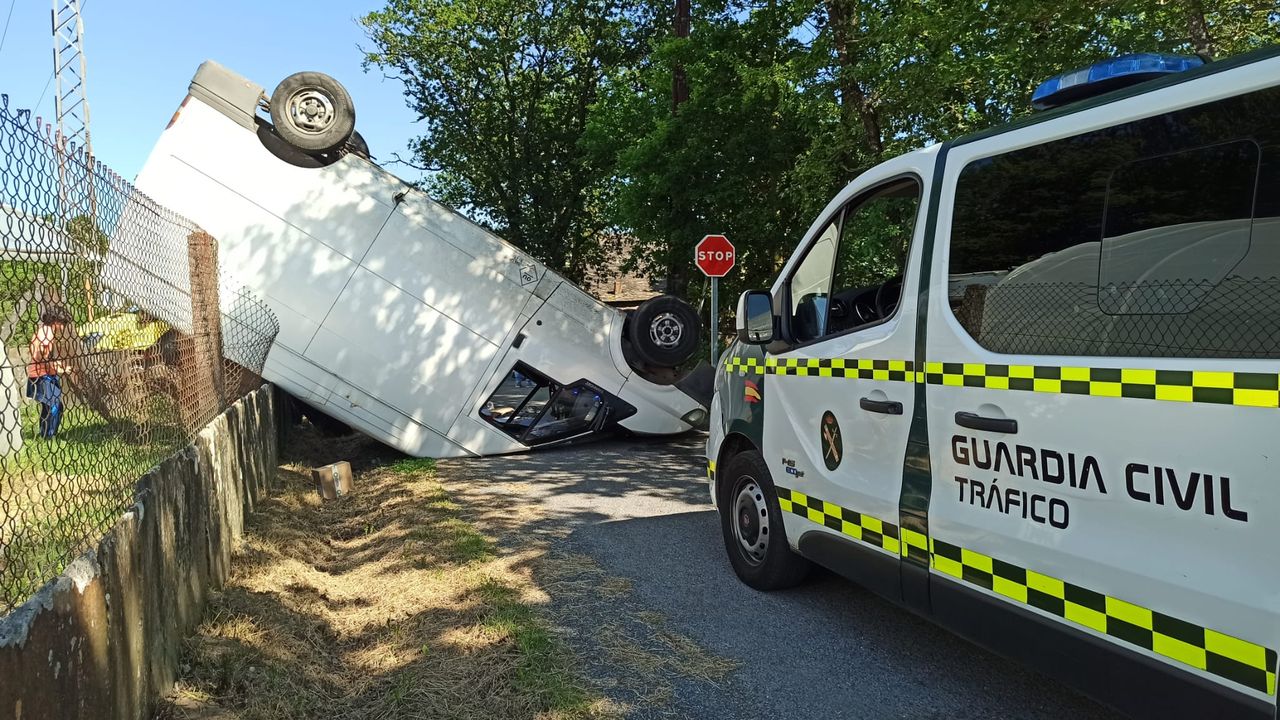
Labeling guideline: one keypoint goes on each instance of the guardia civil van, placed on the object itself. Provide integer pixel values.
(399, 316)
(1027, 383)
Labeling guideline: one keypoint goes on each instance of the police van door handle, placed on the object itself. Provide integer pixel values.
(885, 407)
(974, 421)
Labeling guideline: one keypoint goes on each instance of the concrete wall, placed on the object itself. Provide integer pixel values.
(102, 641)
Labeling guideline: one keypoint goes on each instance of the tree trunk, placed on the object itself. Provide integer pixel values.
(855, 106)
(680, 83)
(677, 273)
(1198, 29)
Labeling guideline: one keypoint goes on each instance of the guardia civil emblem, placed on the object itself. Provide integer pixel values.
(832, 445)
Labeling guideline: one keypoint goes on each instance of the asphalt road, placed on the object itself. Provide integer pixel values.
(827, 649)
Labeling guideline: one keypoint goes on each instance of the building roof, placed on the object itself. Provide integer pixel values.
(611, 285)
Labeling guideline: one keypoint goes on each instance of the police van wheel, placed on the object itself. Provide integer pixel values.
(751, 523)
(313, 112)
(665, 331)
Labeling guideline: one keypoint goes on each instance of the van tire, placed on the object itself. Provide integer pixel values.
(749, 509)
(313, 112)
(664, 331)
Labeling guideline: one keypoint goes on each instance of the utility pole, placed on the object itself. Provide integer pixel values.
(76, 194)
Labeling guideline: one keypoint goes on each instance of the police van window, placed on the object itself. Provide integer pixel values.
(811, 285)
(852, 276)
(1159, 238)
(874, 237)
(1166, 247)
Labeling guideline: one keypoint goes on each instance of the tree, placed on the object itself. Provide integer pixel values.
(720, 163)
(88, 240)
(553, 120)
(791, 100)
(505, 89)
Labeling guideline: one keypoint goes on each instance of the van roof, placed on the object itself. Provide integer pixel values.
(1210, 68)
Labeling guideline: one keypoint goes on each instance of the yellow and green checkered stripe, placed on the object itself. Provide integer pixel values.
(1240, 661)
(859, 526)
(865, 369)
(1231, 658)
(1219, 388)
(915, 546)
(1246, 389)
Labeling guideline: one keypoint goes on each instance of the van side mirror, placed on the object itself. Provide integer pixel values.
(755, 320)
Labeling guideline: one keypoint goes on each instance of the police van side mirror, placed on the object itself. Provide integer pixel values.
(755, 317)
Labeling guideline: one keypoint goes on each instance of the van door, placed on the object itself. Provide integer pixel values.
(1103, 375)
(840, 399)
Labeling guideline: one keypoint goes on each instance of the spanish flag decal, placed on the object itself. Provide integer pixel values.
(751, 393)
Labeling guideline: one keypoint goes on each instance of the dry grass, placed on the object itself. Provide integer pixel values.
(386, 604)
(407, 601)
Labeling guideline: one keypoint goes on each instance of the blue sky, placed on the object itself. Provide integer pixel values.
(142, 53)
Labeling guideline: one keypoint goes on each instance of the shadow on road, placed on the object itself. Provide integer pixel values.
(640, 510)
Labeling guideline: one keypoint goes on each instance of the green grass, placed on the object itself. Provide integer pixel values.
(545, 668)
(42, 548)
(414, 466)
(450, 538)
(447, 537)
(454, 540)
(59, 496)
(88, 444)
(544, 671)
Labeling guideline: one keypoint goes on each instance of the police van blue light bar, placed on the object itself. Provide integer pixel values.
(1108, 75)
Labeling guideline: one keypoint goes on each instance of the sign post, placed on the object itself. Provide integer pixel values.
(715, 257)
(715, 321)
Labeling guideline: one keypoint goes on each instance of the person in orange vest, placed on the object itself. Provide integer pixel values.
(43, 382)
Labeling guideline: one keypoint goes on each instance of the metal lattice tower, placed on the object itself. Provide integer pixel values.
(77, 212)
(70, 104)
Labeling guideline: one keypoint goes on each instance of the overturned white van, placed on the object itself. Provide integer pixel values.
(398, 315)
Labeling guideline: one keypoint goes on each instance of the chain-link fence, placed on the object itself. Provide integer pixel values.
(120, 342)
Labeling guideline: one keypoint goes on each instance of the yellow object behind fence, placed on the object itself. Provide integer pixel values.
(123, 331)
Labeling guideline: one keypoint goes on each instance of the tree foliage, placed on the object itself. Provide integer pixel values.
(504, 89)
(554, 120)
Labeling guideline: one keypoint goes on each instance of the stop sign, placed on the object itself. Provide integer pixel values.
(714, 256)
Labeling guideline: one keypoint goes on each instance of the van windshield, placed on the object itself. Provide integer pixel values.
(533, 409)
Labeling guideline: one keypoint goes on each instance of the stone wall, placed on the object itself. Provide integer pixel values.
(102, 641)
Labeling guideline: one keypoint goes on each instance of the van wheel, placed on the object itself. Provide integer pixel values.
(313, 112)
(664, 331)
(751, 523)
